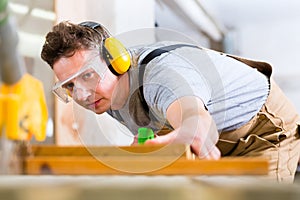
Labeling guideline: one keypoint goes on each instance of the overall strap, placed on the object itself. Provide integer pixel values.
(262, 67)
(147, 59)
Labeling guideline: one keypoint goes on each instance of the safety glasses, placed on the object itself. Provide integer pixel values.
(83, 83)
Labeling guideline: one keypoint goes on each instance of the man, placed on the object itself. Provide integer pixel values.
(221, 105)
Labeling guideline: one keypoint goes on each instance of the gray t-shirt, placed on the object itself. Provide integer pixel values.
(231, 91)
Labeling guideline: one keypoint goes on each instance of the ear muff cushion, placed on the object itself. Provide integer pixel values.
(119, 57)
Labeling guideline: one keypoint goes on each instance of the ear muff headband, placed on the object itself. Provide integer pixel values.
(114, 53)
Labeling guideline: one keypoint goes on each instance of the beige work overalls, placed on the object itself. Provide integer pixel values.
(273, 132)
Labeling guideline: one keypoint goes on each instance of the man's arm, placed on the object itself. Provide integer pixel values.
(192, 125)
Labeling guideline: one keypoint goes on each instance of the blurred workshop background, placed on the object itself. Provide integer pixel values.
(264, 30)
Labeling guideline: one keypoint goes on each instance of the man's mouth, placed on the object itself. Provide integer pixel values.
(94, 105)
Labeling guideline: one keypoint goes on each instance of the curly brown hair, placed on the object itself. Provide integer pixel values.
(66, 38)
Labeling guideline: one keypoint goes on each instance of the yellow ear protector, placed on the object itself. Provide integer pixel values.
(113, 51)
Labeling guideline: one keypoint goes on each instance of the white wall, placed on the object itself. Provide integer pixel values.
(169, 16)
(116, 15)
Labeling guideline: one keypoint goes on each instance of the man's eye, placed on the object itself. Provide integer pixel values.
(69, 86)
(88, 76)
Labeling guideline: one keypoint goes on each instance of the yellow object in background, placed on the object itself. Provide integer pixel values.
(11, 107)
(1, 112)
(23, 109)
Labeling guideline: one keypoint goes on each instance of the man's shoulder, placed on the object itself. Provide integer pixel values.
(147, 48)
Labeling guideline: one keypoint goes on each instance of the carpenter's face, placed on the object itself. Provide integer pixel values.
(85, 78)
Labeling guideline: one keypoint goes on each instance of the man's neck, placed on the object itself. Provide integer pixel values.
(121, 93)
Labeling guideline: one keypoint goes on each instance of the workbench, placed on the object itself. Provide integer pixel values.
(137, 187)
(134, 160)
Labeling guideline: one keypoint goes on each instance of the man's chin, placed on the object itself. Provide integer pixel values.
(97, 111)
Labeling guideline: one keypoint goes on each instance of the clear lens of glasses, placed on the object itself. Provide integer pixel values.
(81, 83)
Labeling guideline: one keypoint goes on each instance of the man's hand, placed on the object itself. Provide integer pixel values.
(192, 125)
(206, 151)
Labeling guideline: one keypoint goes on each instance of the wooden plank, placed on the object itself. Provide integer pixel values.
(178, 150)
(144, 165)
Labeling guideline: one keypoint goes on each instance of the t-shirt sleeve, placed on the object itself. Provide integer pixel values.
(168, 79)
